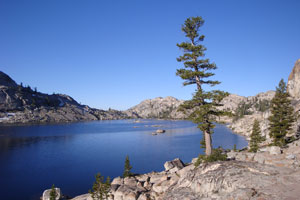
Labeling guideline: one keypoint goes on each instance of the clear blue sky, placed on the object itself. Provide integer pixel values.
(115, 54)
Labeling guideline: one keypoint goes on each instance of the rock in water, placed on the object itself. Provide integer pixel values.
(160, 131)
(293, 85)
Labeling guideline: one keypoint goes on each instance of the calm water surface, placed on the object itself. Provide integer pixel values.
(34, 157)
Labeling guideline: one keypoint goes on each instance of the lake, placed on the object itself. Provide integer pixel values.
(33, 157)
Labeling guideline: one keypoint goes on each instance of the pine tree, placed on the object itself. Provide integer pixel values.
(100, 188)
(282, 117)
(127, 168)
(203, 105)
(234, 148)
(53, 194)
(256, 138)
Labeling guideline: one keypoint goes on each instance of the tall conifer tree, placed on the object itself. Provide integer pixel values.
(255, 137)
(282, 117)
(197, 70)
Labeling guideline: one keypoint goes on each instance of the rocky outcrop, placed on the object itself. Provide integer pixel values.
(6, 81)
(158, 108)
(244, 125)
(293, 85)
(261, 176)
(159, 131)
(174, 165)
(20, 104)
(233, 101)
(273, 155)
(246, 110)
(46, 194)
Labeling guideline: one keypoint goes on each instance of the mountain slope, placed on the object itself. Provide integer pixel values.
(164, 108)
(20, 104)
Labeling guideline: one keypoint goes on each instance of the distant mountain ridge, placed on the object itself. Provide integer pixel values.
(20, 104)
(163, 108)
(167, 108)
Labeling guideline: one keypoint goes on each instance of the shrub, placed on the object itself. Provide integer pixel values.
(216, 155)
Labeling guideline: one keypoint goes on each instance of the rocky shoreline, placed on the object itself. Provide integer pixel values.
(271, 174)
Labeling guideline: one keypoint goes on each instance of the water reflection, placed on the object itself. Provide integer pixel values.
(8, 143)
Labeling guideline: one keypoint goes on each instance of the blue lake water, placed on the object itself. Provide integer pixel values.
(33, 157)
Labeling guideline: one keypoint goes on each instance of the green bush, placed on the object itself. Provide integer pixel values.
(216, 155)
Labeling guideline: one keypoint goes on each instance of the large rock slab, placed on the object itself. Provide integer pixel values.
(176, 163)
(275, 150)
(83, 197)
(236, 180)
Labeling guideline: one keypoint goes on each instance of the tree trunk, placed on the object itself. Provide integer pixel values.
(208, 147)
(198, 82)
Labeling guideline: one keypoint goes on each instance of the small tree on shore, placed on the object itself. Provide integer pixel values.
(234, 148)
(100, 188)
(127, 168)
(53, 194)
(282, 117)
(255, 138)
